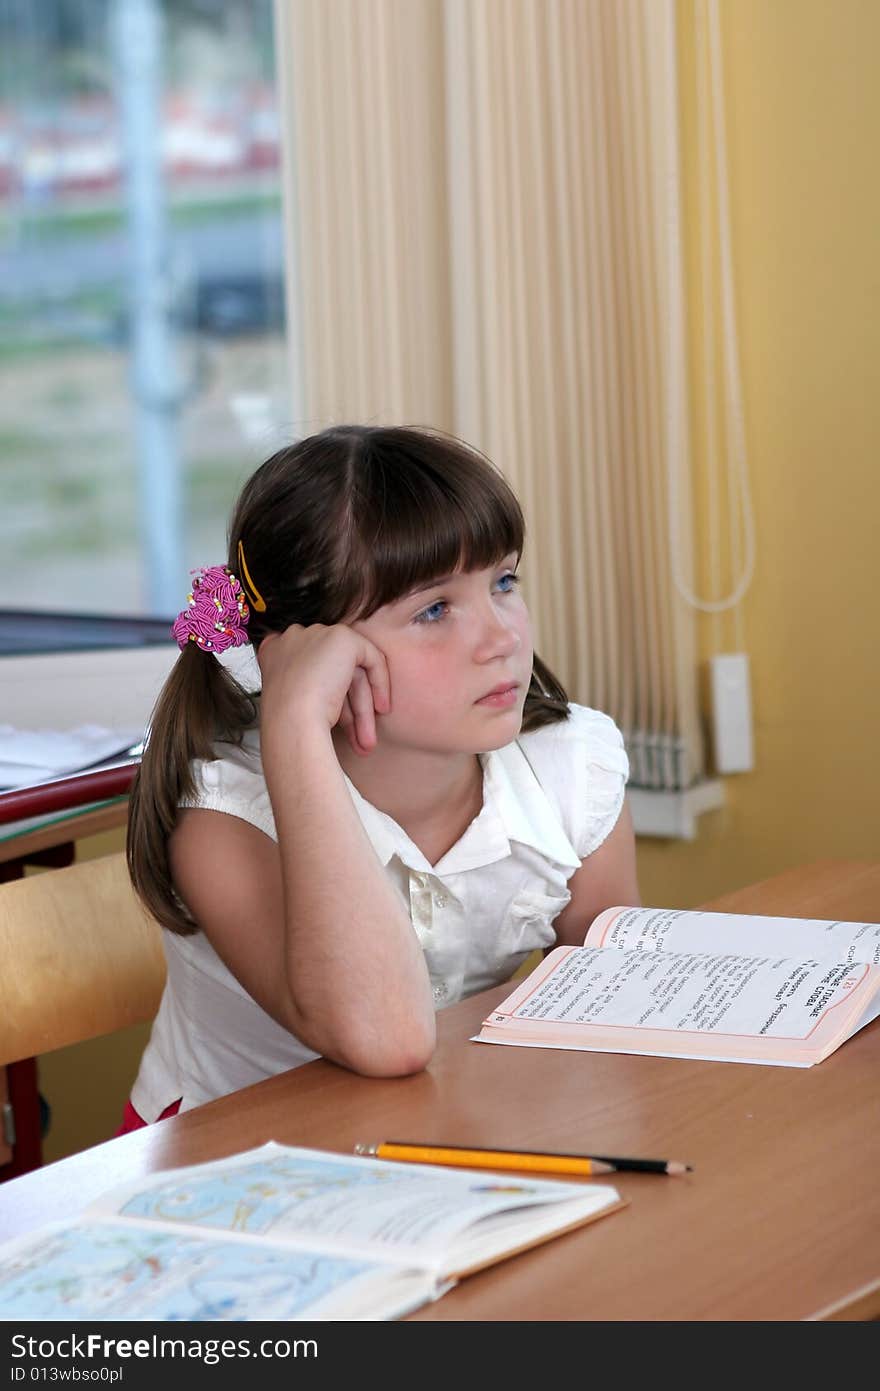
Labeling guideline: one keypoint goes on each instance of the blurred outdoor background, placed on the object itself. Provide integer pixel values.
(142, 314)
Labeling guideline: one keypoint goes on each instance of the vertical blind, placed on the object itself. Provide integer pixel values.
(488, 242)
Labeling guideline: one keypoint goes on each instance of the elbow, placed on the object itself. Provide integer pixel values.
(379, 1051)
(389, 1066)
(388, 1057)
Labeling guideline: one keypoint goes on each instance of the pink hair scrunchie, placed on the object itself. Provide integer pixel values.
(217, 614)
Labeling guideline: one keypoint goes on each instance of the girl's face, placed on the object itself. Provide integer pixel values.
(459, 654)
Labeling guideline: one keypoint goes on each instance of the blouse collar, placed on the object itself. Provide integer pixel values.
(515, 809)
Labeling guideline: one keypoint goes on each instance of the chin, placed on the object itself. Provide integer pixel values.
(501, 731)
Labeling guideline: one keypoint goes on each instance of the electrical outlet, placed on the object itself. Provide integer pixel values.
(731, 696)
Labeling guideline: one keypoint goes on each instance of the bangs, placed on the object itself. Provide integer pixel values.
(416, 517)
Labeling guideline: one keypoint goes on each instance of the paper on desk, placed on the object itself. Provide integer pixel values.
(29, 756)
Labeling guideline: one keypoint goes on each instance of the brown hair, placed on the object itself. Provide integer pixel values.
(337, 525)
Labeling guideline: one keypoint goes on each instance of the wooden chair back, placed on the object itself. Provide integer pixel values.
(79, 958)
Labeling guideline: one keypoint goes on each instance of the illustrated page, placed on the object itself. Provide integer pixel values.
(358, 1205)
(118, 1270)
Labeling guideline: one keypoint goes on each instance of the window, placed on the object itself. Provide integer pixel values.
(143, 365)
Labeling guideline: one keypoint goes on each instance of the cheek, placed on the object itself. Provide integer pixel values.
(419, 682)
(426, 690)
(523, 626)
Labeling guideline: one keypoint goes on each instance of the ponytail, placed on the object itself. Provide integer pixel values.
(199, 704)
(546, 700)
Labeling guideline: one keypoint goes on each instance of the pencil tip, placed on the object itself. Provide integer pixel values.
(674, 1167)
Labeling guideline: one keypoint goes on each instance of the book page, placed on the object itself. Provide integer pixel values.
(32, 756)
(691, 996)
(359, 1206)
(124, 1270)
(667, 929)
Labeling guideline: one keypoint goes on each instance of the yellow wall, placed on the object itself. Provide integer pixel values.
(803, 122)
(803, 119)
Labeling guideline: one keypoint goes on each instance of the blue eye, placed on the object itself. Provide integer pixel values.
(433, 613)
(507, 583)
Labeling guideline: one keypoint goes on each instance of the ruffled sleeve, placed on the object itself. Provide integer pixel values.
(233, 783)
(582, 766)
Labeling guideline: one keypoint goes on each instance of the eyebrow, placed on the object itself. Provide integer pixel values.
(445, 579)
(431, 584)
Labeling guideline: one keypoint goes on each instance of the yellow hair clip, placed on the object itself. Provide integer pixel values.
(256, 598)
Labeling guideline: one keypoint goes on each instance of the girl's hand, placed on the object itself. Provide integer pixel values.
(332, 675)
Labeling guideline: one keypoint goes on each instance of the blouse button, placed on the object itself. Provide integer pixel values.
(441, 900)
(440, 991)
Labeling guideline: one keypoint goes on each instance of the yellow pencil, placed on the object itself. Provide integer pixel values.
(521, 1160)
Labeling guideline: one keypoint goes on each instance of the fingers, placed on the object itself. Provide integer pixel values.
(347, 725)
(360, 701)
(331, 670)
(372, 663)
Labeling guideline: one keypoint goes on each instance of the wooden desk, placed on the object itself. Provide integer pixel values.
(60, 833)
(780, 1220)
(70, 808)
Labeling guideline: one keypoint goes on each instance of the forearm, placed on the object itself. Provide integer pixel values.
(356, 975)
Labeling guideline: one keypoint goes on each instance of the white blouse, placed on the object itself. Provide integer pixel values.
(549, 800)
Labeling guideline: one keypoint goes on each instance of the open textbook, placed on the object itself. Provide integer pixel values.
(283, 1233)
(719, 986)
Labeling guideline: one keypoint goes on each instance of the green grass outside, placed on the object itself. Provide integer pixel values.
(52, 226)
(210, 483)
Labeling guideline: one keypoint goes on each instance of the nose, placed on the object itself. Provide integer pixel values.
(498, 637)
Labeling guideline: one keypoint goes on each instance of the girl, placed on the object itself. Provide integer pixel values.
(408, 808)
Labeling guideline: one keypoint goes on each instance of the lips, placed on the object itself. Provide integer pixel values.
(505, 693)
